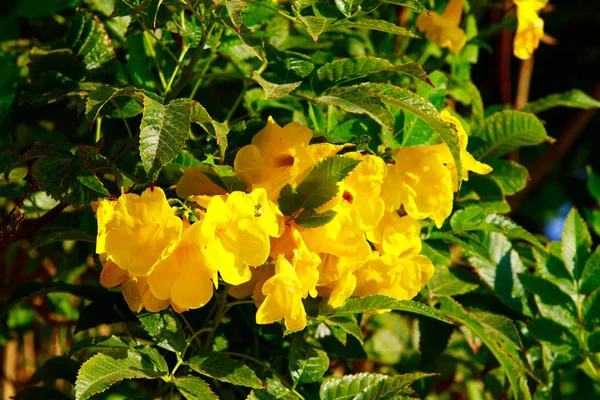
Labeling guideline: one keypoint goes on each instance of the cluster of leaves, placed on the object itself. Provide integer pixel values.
(165, 85)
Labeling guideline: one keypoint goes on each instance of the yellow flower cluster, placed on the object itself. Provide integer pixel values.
(530, 27)
(244, 239)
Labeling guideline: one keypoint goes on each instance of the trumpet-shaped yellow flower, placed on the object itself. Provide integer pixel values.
(283, 298)
(443, 29)
(336, 278)
(291, 246)
(237, 231)
(530, 27)
(422, 184)
(395, 235)
(184, 277)
(359, 209)
(254, 286)
(136, 232)
(195, 182)
(468, 162)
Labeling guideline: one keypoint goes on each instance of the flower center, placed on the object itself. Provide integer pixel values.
(286, 160)
(348, 197)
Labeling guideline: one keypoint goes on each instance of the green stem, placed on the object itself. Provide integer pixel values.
(201, 77)
(153, 54)
(98, 129)
(235, 106)
(219, 315)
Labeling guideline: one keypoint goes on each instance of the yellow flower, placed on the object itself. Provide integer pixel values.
(395, 235)
(283, 299)
(336, 278)
(443, 29)
(291, 246)
(136, 232)
(468, 162)
(138, 296)
(254, 286)
(195, 182)
(359, 209)
(421, 183)
(237, 231)
(184, 277)
(530, 27)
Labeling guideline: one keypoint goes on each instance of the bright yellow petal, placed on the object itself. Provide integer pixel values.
(112, 275)
(132, 295)
(195, 182)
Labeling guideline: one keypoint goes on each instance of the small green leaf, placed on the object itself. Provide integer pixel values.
(314, 25)
(375, 25)
(546, 330)
(501, 324)
(46, 393)
(30, 289)
(552, 302)
(102, 371)
(509, 175)
(307, 364)
(355, 305)
(164, 329)
(54, 235)
(346, 323)
(508, 130)
(573, 98)
(194, 388)
(89, 40)
(223, 176)
(576, 244)
(320, 185)
(163, 131)
(593, 184)
(103, 342)
(56, 368)
(451, 282)
(104, 95)
(312, 219)
(590, 277)
(222, 368)
(288, 200)
(395, 386)
(414, 5)
(235, 8)
(274, 90)
(591, 309)
(359, 100)
(348, 386)
(216, 129)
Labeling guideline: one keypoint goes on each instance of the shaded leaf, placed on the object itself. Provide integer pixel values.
(306, 363)
(46, 393)
(164, 329)
(56, 368)
(552, 302)
(576, 244)
(414, 5)
(573, 98)
(451, 282)
(194, 388)
(220, 367)
(274, 90)
(312, 219)
(509, 175)
(375, 25)
(54, 235)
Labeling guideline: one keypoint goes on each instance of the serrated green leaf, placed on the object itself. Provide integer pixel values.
(395, 386)
(315, 25)
(508, 130)
(590, 277)
(56, 368)
(509, 175)
(103, 342)
(107, 94)
(313, 219)
(375, 25)
(359, 100)
(576, 244)
(591, 309)
(222, 368)
(54, 235)
(552, 302)
(37, 151)
(274, 391)
(355, 305)
(101, 371)
(89, 40)
(348, 324)
(546, 330)
(223, 176)
(320, 185)
(451, 282)
(573, 98)
(306, 363)
(218, 130)
(164, 329)
(274, 90)
(501, 324)
(414, 5)
(163, 131)
(551, 267)
(349, 386)
(468, 242)
(194, 388)
(507, 354)
(46, 393)
(235, 9)
(287, 200)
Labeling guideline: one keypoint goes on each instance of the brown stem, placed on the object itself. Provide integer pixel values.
(505, 60)
(30, 227)
(524, 83)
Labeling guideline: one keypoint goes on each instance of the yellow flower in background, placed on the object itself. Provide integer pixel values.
(444, 29)
(395, 235)
(195, 182)
(237, 231)
(184, 277)
(135, 231)
(468, 162)
(422, 184)
(530, 27)
(283, 298)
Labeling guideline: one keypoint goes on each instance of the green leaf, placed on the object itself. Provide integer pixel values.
(320, 185)
(345, 6)
(593, 184)
(194, 388)
(576, 244)
(591, 309)
(102, 371)
(163, 132)
(313, 219)
(552, 302)
(573, 98)
(223, 176)
(551, 267)
(346, 323)
(396, 387)
(375, 25)
(508, 130)
(367, 385)
(46, 393)
(54, 235)
(500, 324)
(89, 41)
(414, 5)
(414, 104)
(505, 351)
(590, 277)
(359, 100)
(106, 94)
(222, 368)
(274, 90)
(288, 200)
(218, 130)
(274, 391)
(468, 242)
(103, 342)
(165, 330)
(474, 218)
(509, 175)
(314, 25)
(546, 330)
(594, 342)
(30, 289)
(56, 368)
(451, 282)
(355, 305)
(306, 363)
(501, 273)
